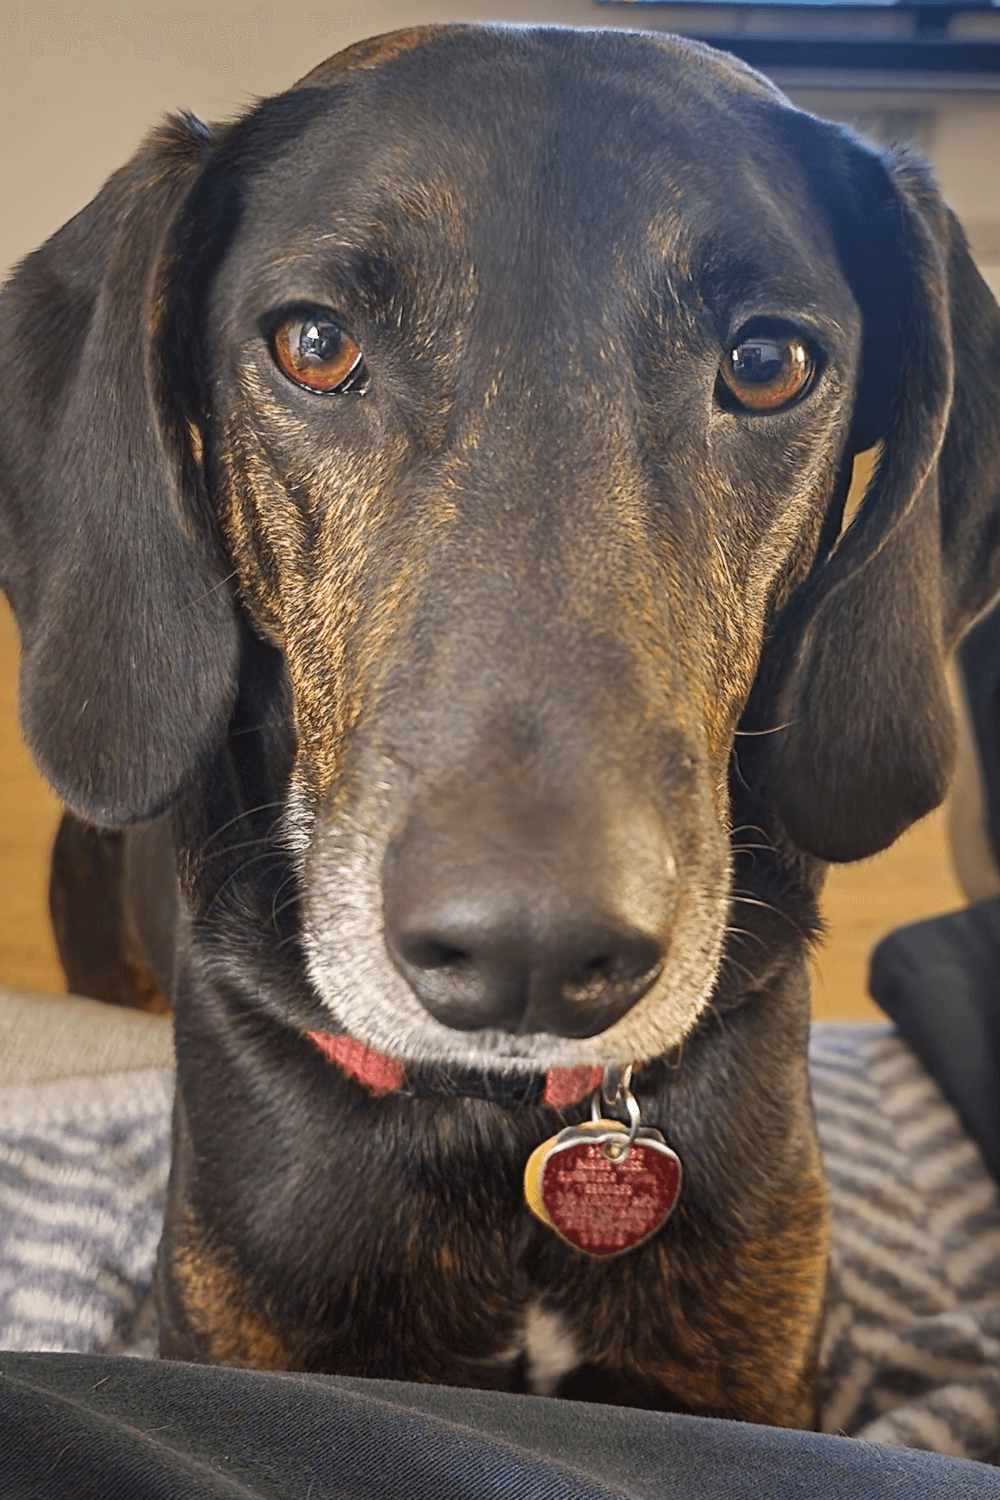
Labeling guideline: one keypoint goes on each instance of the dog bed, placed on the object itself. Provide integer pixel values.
(911, 1351)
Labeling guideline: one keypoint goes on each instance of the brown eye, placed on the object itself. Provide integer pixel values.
(765, 372)
(316, 353)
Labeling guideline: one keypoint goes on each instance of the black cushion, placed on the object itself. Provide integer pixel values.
(940, 982)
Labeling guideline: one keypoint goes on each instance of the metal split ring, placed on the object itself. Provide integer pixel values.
(615, 1091)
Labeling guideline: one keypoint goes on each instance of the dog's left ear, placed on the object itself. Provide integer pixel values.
(129, 635)
(855, 667)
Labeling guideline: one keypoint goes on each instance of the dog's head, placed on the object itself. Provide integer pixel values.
(514, 378)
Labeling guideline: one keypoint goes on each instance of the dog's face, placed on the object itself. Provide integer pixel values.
(519, 376)
(498, 489)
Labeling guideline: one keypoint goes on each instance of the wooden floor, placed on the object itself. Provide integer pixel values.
(29, 814)
(913, 879)
(863, 902)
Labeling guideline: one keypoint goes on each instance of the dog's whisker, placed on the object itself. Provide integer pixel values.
(734, 757)
(748, 828)
(748, 734)
(250, 812)
(235, 734)
(769, 907)
(236, 874)
(742, 932)
(278, 911)
(730, 962)
(287, 940)
(207, 594)
(217, 854)
(284, 906)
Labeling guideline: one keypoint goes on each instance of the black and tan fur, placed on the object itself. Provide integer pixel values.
(540, 631)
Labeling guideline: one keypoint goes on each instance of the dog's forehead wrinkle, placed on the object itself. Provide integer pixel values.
(357, 178)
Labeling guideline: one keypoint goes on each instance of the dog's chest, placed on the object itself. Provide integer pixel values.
(550, 1349)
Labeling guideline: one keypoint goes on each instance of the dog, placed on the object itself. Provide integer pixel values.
(423, 505)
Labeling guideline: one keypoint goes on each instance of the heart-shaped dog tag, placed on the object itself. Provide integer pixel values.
(600, 1195)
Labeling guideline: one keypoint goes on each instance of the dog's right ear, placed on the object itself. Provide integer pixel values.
(128, 627)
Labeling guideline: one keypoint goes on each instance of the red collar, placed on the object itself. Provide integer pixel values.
(383, 1075)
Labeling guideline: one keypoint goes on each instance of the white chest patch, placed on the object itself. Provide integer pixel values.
(550, 1349)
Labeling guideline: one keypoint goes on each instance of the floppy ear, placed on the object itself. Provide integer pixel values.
(855, 665)
(128, 630)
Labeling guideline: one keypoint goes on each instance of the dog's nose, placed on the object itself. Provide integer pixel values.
(501, 939)
(473, 967)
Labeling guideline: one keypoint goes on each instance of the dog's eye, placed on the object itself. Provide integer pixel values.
(764, 372)
(316, 353)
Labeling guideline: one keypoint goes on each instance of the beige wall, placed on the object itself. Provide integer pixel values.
(959, 131)
(80, 84)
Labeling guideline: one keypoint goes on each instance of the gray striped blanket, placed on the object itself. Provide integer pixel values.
(912, 1341)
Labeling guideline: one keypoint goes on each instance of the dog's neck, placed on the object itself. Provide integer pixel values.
(558, 1088)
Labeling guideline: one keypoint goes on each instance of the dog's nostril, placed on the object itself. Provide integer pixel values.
(616, 968)
(425, 953)
(598, 991)
(591, 979)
